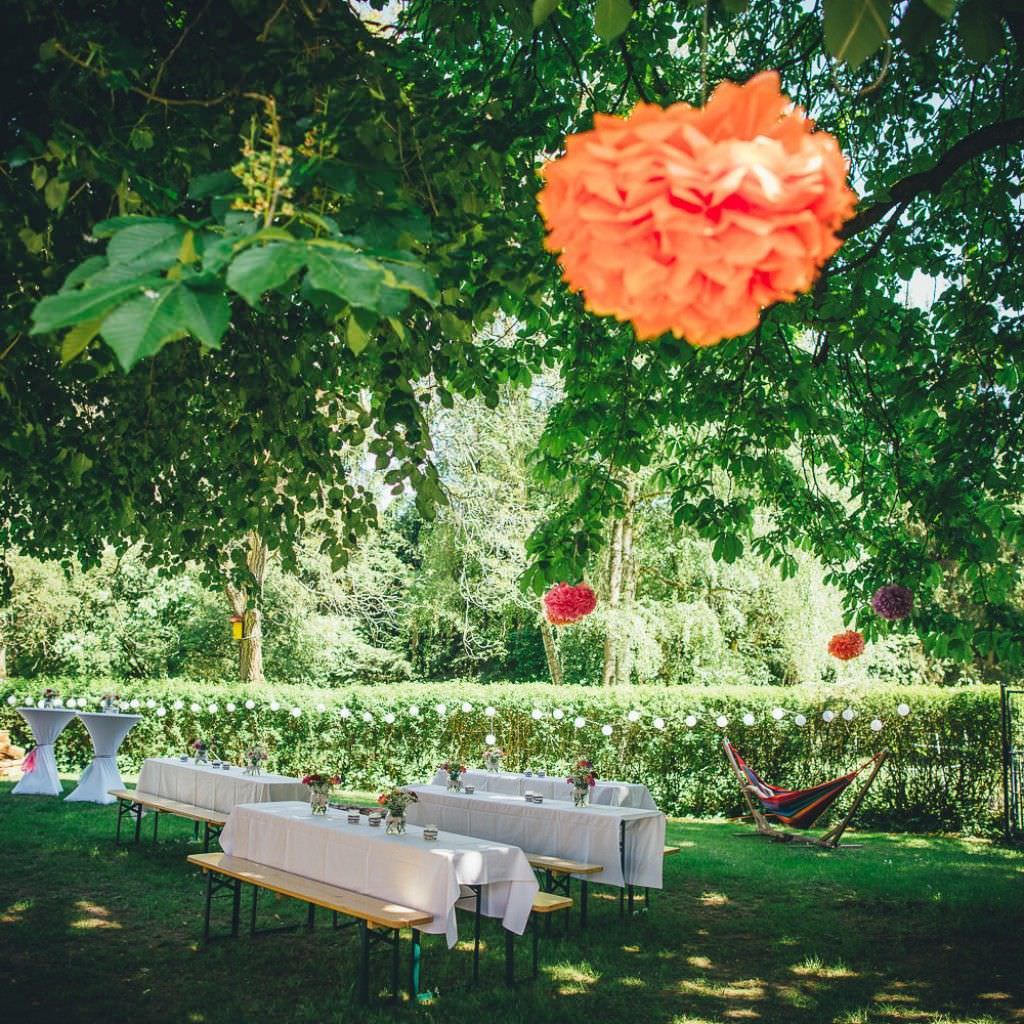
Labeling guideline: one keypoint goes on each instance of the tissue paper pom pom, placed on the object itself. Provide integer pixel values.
(845, 646)
(693, 220)
(893, 602)
(564, 604)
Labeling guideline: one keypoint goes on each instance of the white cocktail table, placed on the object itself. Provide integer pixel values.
(107, 733)
(46, 725)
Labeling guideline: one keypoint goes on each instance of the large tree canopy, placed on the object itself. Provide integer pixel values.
(295, 222)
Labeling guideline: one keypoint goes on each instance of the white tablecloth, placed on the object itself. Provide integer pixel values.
(107, 733)
(405, 869)
(215, 788)
(46, 725)
(589, 834)
(554, 787)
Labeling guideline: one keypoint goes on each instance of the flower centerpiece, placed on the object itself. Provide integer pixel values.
(454, 770)
(253, 759)
(582, 781)
(50, 696)
(319, 788)
(200, 751)
(395, 800)
(492, 758)
(108, 703)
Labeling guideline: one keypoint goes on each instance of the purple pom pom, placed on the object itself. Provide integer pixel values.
(893, 602)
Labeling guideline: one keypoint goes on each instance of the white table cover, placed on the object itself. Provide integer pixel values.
(405, 869)
(554, 787)
(46, 725)
(557, 829)
(107, 733)
(215, 788)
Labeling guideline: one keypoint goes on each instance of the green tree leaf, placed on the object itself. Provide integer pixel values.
(611, 18)
(260, 269)
(39, 175)
(919, 28)
(55, 194)
(206, 314)
(141, 326)
(147, 247)
(943, 8)
(981, 29)
(77, 339)
(855, 29)
(71, 307)
(353, 278)
(542, 10)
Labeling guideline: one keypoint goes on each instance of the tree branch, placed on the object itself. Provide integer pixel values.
(1001, 133)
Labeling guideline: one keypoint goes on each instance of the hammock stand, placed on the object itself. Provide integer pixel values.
(798, 808)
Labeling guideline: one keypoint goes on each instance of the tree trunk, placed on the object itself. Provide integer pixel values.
(624, 660)
(611, 641)
(551, 651)
(250, 647)
(3, 660)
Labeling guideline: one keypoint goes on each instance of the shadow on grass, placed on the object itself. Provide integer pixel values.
(900, 931)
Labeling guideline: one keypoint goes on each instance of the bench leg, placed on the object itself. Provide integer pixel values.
(236, 907)
(252, 912)
(363, 989)
(311, 917)
(138, 821)
(120, 815)
(534, 935)
(584, 892)
(209, 901)
(206, 836)
(629, 889)
(396, 936)
(156, 825)
(415, 956)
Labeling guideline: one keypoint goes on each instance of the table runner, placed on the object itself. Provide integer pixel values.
(554, 787)
(589, 834)
(404, 869)
(107, 733)
(214, 788)
(40, 778)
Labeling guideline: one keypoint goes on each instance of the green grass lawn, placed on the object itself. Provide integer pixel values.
(904, 929)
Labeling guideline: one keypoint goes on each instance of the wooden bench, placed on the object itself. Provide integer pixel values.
(378, 920)
(558, 875)
(224, 872)
(132, 803)
(670, 850)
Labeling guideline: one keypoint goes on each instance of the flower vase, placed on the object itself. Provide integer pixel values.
(580, 795)
(395, 825)
(109, 708)
(318, 801)
(493, 765)
(47, 702)
(454, 784)
(201, 757)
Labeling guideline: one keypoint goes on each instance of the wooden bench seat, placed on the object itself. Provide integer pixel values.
(378, 920)
(132, 802)
(559, 873)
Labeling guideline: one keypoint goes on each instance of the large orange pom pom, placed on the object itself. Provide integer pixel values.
(693, 220)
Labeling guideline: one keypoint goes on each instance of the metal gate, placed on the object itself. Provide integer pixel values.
(1013, 761)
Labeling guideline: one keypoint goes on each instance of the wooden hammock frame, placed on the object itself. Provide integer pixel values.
(830, 840)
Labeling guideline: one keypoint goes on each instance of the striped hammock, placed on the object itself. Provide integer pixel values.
(798, 808)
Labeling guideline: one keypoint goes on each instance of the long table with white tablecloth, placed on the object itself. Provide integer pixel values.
(554, 787)
(628, 842)
(214, 788)
(406, 869)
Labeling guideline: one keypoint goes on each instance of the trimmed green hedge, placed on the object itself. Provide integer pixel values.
(944, 773)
